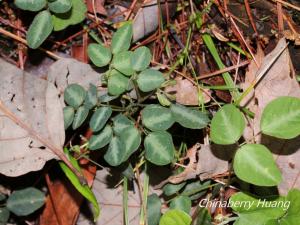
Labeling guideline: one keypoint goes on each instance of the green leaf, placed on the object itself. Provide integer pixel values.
(204, 217)
(170, 189)
(100, 140)
(159, 148)
(196, 189)
(40, 28)
(227, 125)
(292, 216)
(149, 80)
(153, 209)
(121, 40)
(100, 117)
(30, 5)
(72, 17)
(141, 58)
(2, 197)
(281, 118)
(175, 217)
(163, 100)
(83, 189)
(117, 83)
(189, 118)
(4, 215)
(99, 54)
(121, 62)
(74, 95)
(121, 123)
(154, 122)
(68, 116)
(80, 116)
(114, 154)
(182, 203)
(91, 98)
(60, 6)
(26, 201)
(254, 164)
(131, 138)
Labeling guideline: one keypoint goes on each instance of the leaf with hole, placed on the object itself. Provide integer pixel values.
(115, 154)
(117, 83)
(121, 62)
(189, 118)
(100, 140)
(121, 123)
(156, 117)
(60, 6)
(159, 148)
(99, 54)
(68, 116)
(80, 116)
(182, 203)
(121, 40)
(100, 117)
(153, 209)
(72, 17)
(227, 125)
(26, 201)
(141, 58)
(281, 118)
(175, 217)
(149, 80)
(131, 138)
(40, 28)
(91, 97)
(254, 163)
(74, 95)
(30, 5)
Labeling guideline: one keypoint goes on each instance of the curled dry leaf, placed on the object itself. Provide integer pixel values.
(279, 80)
(186, 92)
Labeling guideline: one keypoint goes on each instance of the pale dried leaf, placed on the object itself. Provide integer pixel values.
(186, 92)
(34, 104)
(278, 81)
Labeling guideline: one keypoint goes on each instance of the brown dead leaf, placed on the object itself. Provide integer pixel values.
(98, 6)
(186, 92)
(279, 80)
(208, 165)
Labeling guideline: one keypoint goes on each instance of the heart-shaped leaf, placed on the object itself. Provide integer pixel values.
(100, 117)
(117, 83)
(100, 140)
(25, 201)
(159, 148)
(30, 5)
(72, 17)
(182, 203)
(40, 28)
(149, 80)
(254, 164)
(68, 116)
(189, 118)
(227, 125)
(175, 217)
(91, 97)
(141, 58)
(121, 40)
(99, 54)
(281, 118)
(74, 95)
(80, 116)
(131, 138)
(121, 123)
(153, 209)
(60, 6)
(114, 154)
(121, 62)
(154, 122)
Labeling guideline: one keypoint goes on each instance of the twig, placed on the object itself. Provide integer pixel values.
(287, 4)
